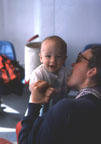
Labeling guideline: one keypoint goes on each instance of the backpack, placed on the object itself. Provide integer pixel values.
(11, 74)
(10, 69)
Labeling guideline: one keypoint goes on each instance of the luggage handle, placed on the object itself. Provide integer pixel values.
(32, 38)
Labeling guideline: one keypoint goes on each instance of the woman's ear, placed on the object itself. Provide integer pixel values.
(40, 57)
(92, 72)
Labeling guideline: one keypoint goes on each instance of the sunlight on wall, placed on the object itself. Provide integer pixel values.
(37, 18)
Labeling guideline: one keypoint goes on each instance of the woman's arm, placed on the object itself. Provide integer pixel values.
(40, 94)
(26, 133)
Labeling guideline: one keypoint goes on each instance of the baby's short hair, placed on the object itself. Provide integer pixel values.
(58, 40)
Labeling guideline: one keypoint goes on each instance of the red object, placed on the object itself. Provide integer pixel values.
(18, 128)
(5, 141)
(7, 69)
(32, 38)
(27, 82)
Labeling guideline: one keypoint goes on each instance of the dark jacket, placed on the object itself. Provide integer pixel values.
(70, 121)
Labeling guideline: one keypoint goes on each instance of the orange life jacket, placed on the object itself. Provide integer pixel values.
(8, 71)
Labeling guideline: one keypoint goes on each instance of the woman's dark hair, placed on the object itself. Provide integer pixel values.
(96, 61)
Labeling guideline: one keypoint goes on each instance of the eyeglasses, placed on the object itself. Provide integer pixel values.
(80, 57)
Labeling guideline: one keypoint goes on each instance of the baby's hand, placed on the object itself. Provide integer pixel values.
(41, 92)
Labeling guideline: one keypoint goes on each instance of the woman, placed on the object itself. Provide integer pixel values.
(70, 121)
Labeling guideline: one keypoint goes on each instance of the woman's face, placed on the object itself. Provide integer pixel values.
(78, 77)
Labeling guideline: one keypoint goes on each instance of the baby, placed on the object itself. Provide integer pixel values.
(53, 54)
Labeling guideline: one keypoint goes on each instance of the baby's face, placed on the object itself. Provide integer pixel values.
(52, 55)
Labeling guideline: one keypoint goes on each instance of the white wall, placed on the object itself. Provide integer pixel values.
(76, 21)
(1, 21)
(18, 19)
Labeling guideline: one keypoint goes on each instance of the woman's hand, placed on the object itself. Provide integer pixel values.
(41, 92)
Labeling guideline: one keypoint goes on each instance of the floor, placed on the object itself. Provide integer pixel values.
(15, 107)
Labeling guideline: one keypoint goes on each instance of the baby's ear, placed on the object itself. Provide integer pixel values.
(40, 57)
